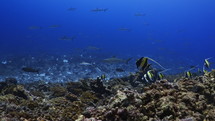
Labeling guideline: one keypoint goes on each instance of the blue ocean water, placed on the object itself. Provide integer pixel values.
(173, 32)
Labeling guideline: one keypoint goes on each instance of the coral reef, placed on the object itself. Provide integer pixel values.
(119, 99)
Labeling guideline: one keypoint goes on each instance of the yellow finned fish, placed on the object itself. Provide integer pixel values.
(160, 76)
(142, 63)
(188, 74)
(207, 63)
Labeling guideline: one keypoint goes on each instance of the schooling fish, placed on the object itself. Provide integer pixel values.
(207, 63)
(188, 74)
(29, 69)
(160, 76)
(103, 76)
(142, 63)
(149, 76)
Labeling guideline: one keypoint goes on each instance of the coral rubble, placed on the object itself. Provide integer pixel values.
(119, 99)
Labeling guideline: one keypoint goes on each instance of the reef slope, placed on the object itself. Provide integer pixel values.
(118, 99)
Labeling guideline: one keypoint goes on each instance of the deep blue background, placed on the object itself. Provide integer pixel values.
(170, 29)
